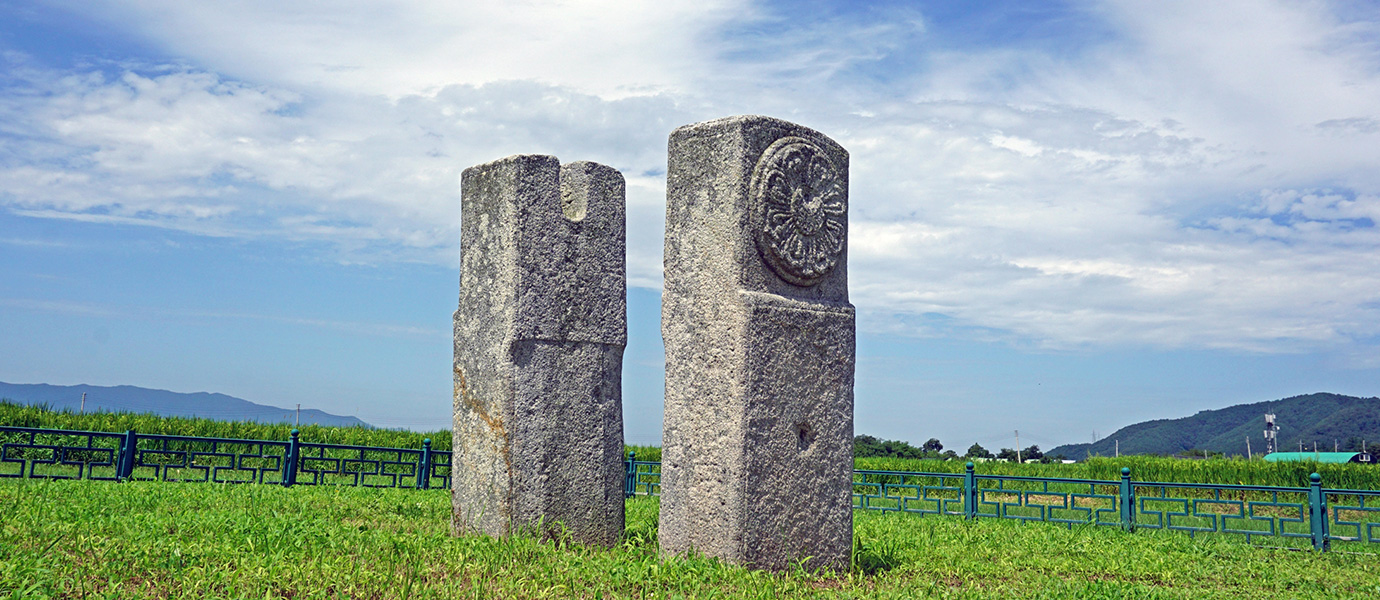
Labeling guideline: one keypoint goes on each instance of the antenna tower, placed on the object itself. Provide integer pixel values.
(1271, 444)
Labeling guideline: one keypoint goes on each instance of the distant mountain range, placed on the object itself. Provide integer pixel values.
(1319, 418)
(128, 398)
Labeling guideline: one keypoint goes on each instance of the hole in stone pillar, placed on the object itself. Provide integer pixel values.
(574, 200)
(805, 436)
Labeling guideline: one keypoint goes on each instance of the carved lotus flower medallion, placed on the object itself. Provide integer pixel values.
(801, 210)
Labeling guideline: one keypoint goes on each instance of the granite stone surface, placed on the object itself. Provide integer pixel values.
(539, 337)
(759, 336)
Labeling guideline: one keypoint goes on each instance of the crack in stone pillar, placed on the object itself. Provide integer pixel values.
(539, 337)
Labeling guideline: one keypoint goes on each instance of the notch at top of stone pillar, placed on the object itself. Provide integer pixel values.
(771, 193)
(567, 273)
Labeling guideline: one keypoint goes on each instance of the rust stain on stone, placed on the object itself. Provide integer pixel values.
(498, 442)
(462, 393)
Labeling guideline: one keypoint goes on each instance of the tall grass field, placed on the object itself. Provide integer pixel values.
(19, 415)
(1143, 468)
(1238, 471)
(81, 539)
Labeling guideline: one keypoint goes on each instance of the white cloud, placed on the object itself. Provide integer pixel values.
(1116, 196)
(400, 49)
(190, 150)
(1204, 178)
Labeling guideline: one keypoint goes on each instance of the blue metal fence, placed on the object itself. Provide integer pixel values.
(62, 454)
(1303, 517)
(1311, 516)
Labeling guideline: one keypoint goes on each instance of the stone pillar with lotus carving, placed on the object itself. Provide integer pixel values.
(759, 334)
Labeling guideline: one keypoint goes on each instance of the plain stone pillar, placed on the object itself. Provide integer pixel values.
(539, 337)
(757, 456)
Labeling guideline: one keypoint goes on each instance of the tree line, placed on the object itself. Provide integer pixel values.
(866, 446)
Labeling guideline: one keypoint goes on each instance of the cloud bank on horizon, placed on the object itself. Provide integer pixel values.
(1169, 174)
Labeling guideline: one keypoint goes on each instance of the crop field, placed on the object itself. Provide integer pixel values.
(1143, 468)
(1236, 471)
(65, 539)
(17, 415)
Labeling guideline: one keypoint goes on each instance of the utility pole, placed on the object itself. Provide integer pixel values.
(298, 423)
(1334, 445)
(1300, 445)
(1018, 447)
(1248, 447)
(83, 403)
(1118, 448)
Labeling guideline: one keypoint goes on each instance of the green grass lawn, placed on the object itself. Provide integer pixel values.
(158, 540)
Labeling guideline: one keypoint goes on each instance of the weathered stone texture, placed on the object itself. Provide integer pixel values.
(759, 336)
(539, 337)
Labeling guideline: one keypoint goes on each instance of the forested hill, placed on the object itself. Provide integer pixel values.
(1319, 418)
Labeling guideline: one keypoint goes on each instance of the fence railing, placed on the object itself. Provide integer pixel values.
(1311, 516)
(1301, 517)
(96, 455)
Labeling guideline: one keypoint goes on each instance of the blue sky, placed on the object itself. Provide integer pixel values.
(1066, 217)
